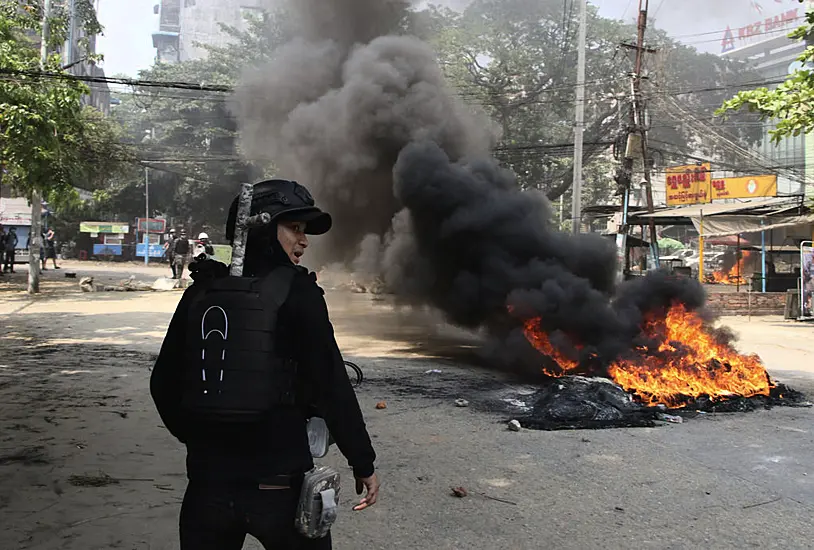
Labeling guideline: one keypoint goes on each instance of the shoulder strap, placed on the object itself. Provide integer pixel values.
(275, 288)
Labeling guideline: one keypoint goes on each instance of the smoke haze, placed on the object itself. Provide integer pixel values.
(367, 122)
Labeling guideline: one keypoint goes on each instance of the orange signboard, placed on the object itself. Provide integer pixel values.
(688, 184)
(744, 187)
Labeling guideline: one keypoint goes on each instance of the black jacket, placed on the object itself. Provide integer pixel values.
(279, 445)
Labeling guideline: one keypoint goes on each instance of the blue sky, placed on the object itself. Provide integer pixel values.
(129, 24)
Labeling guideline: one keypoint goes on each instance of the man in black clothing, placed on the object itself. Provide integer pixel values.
(11, 247)
(50, 249)
(247, 478)
(180, 254)
(2, 248)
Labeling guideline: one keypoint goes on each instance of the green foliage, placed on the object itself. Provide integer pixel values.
(48, 141)
(513, 58)
(789, 104)
(189, 139)
(517, 59)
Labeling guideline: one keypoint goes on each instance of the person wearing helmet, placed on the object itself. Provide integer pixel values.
(203, 247)
(247, 445)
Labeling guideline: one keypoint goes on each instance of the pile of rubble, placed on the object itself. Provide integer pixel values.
(87, 284)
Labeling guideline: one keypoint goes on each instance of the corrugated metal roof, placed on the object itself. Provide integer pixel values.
(698, 210)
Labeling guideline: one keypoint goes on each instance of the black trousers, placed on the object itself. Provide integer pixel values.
(219, 518)
(9, 261)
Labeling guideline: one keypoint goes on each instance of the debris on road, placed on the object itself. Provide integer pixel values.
(675, 419)
(514, 425)
(381, 405)
(432, 371)
(503, 500)
(101, 480)
(166, 283)
(87, 284)
(461, 403)
(459, 492)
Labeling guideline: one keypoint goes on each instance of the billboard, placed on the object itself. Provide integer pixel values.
(761, 29)
(744, 187)
(153, 225)
(156, 250)
(688, 184)
(102, 227)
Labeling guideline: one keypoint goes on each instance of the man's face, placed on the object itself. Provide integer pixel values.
(293, 239)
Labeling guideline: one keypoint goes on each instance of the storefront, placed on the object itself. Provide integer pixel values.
(106, 240)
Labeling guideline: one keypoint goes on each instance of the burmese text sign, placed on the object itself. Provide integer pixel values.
(688, 184)
(744, 187)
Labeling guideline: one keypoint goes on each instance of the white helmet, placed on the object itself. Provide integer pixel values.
(203, 236)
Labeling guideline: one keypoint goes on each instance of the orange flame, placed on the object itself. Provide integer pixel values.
(687, 364)
(541, 343)
(735, 275)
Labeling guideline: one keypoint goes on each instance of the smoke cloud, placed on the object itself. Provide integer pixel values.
(364, 118)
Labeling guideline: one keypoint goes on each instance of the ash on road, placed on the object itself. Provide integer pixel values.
(85, 463)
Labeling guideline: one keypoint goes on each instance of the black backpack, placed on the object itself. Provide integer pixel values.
(232, 373)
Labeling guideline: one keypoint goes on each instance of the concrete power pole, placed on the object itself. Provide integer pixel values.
(579, 126)
(640, 124)
(34, 237)
(69, 58)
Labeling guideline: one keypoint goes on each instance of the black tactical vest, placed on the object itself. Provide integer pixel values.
(232, 373)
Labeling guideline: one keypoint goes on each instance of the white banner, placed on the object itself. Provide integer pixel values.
(723, 226)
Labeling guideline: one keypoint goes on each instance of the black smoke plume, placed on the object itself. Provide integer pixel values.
(369, 124)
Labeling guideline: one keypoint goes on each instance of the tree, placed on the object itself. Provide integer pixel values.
(789, 104)
(48, 141)
(516, 58)
(188, 139)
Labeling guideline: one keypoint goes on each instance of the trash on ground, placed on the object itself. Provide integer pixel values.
(670, 418)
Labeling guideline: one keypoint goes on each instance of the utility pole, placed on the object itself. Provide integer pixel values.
(638, 127)
(146, 216)
(34, 236)
(579, 126)
(640, 124)
(148, 137)
(69, 58)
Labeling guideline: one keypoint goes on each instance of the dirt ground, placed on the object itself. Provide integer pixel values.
(85, 463)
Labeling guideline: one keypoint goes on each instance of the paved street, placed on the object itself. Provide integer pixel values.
(74, 402)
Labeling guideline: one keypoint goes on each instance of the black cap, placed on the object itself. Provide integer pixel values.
(285, 200)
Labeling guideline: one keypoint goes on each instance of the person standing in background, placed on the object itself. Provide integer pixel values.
(50, 248)
(168, 250)
(180, 251)
(2, 247)
(11, 249)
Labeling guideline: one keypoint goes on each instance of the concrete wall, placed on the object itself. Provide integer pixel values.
(741, 303)
(201, 19)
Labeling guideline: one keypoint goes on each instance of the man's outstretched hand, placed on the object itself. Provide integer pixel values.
(372, 485)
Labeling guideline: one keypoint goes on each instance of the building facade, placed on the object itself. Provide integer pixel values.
(187, 24)
(765, 45)
(72, 55)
